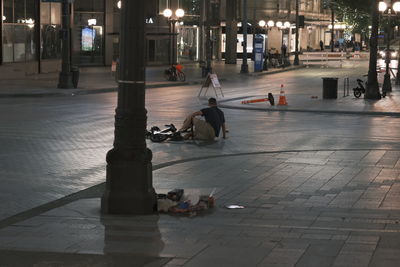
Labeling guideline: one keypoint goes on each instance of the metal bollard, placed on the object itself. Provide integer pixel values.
(346, 87)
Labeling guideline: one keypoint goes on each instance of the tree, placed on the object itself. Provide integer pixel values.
(372, 90)
(359, 14)
(354, 13)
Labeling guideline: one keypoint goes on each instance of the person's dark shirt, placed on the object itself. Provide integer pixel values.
(215, 117)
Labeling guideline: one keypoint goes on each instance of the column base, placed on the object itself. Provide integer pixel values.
(372, 92)
(65, 80)
(244, 68)
(129, 186)
(387, 84)
(296, 61)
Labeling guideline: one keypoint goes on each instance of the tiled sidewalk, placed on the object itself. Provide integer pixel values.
(315, 208)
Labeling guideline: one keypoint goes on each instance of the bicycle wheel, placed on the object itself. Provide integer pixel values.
(181, 76)
(167, 75)
(357, 93)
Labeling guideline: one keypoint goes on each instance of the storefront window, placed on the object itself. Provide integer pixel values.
(51, 44)
(50, 27)
(188, 43)
(88, 33)
(8, 54)
(18, 31)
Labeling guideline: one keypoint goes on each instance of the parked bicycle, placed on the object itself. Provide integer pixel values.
(175, 73)
(360, 89)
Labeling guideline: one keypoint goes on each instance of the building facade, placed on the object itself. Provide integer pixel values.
(30, 35)
(315, 22)
(30, 31)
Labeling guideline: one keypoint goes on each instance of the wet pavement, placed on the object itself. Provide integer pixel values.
(319, 189)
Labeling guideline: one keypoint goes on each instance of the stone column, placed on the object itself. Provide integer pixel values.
(202, 57)
(231, 32)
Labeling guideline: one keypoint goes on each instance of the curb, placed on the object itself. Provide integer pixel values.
(277, 71)
(344, 112)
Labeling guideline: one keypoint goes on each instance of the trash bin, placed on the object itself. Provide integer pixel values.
(330, 87)
(75, 76)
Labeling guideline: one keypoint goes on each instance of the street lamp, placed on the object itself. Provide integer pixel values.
(385, 8)
(129, 181)
(179, 13)
(296, 61)
(244, 68)
(65, 75)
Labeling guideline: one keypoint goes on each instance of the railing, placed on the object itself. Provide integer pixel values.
(327, 59)
(322, 58)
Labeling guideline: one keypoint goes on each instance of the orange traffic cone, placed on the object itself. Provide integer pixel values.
(282, 97)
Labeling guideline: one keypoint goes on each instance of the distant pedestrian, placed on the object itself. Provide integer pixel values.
(321, 44)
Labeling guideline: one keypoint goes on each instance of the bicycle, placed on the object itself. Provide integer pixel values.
(157, 135)
(360, 89)
(175, 73)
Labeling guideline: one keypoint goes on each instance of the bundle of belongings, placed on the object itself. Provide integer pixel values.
(176, 201)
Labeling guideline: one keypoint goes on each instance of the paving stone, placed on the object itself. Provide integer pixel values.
(217, 256)
(282, 257)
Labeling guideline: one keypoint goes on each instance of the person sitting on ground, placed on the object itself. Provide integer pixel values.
(209, 128)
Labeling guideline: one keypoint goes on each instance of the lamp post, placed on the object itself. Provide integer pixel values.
(388, 10)
(179, 13)
(129, 183)
(296, 61)
(65, 76)
(244, 68)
